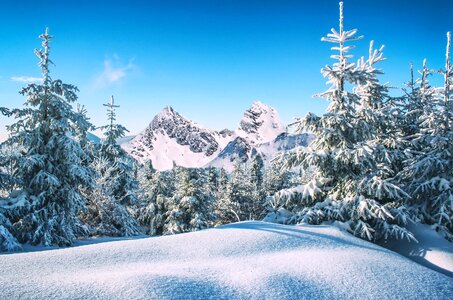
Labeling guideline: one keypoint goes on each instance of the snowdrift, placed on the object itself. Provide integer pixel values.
(247, 260)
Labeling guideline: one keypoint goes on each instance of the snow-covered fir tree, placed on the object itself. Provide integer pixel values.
(115, 187)
(236, 201)
(51, 170)
(104, 215)
(156, 191)
(126, 185)
(348, 182)
(190, 208)
(257, 210)
(8, 241)
(11, 207)
(276, 176)
(429, 173)
(410, 106)
(213, 177)
(10, 156)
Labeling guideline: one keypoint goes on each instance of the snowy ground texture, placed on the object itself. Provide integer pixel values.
(248, 260)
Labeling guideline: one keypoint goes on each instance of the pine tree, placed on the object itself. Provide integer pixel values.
(277, 176)
(107, 210)
(7, 241)
(236, 203)
(428, 172)
(190, 205)
(10, 155)
(126, 186)
(52, 169)
(105, 215)
(156, 191)
(257, 210)
(410, 106)
(10, 208)
(112, 131)
(348, 183)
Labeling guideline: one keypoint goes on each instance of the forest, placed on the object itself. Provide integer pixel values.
(377, 163)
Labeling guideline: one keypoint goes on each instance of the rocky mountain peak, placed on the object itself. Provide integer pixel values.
(260, 124)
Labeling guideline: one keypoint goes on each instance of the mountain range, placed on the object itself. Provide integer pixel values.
(172, 139)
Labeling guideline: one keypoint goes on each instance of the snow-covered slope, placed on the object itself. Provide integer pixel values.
(241, 149)
(249, 260)
(125, 139)
(260, 124)
(432, 250)
(172, 138)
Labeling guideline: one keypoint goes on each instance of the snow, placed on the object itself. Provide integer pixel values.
(282, 143)
(166, 151)
(260, 127)
(265, 128)
(432, 250)
(247, 260)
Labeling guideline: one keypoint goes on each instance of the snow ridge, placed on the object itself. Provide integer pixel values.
(247, 260)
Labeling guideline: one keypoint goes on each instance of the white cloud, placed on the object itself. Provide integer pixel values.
(114, 71)
(26, 79)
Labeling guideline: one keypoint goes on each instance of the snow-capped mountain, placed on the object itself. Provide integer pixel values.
(172, 139)
(260, 124)
(242, 150)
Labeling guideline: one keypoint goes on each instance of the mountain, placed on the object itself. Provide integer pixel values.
(241, 149)
(172, 139)
(260, 124)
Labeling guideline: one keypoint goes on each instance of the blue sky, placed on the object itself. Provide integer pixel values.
(208, 59)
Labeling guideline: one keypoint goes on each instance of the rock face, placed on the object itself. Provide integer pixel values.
(238, 148)
(242, 150)
(172, 139)
(183, 131)
(260, 124)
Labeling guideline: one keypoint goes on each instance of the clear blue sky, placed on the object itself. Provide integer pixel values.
(208, 59)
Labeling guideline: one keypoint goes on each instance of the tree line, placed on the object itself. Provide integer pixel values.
(377, 163)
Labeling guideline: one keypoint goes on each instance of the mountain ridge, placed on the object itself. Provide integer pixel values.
(171, 139)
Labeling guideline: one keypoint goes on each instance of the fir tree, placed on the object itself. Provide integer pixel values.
(105, 215)
(10, 155)
(112, 131)
(156, 191)
(257, 210)
(52, 170)
(190, 205)
(236, 202)
(276, 176)
(107, 211)
(7, 241)
(428, 172)
(348, 183)
(124, 190)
